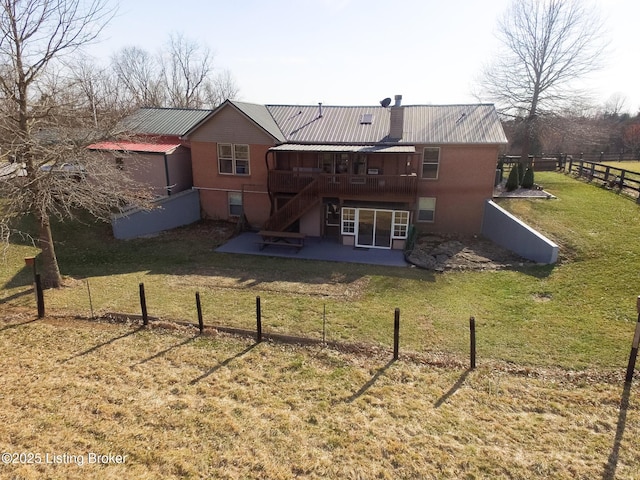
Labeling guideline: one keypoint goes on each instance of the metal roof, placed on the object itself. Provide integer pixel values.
(294, 147)
(260, 115)
(423, 124)
(362, 125)
(312, 124)
(141, 147)
(453, 124)
(163, 121)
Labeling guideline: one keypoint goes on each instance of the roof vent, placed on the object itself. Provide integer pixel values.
(398, 100)
(366, 119)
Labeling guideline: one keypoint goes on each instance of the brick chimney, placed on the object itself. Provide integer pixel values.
(397, 119)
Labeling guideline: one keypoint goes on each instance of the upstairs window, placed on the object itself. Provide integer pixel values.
(233, 159)
(430, 162)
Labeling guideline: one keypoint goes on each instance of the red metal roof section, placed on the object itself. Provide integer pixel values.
(164, 145)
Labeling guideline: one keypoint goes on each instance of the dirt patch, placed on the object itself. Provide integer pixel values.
(454, 252)
(213, 231)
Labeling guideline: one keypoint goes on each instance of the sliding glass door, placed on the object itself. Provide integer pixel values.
(374, 228)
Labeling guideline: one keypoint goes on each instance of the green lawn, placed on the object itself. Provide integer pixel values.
(579, 313)
(633, 166)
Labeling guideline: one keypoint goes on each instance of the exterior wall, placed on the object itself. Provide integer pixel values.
(310, 223)
(179, 165)
(170, 212)
(231, 126)
(510, 232)
(465, 178)
(465, 181)
(149, 169)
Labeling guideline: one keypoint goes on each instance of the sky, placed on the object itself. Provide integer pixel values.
(358, 52)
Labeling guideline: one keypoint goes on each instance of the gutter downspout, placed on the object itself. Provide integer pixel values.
(271, 199)
(166, 175)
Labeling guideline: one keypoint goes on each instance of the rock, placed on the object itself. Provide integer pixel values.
(451, 252)
(421, 259)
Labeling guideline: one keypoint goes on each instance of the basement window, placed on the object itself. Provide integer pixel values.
(235, 203)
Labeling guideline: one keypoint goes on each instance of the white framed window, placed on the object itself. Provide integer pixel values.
(235, 204)
(430, 162)
(241, 155)
(426, 209)
(400, 225)
(348, 221)
(233, 159)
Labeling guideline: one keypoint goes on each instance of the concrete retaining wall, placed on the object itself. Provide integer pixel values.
(175, 211)
(508, 231)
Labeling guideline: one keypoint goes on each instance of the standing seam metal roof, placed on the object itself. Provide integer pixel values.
(261, 115)
(423, 124)
(164, 121)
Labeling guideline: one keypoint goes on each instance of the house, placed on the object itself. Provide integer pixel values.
(154, 152)
(359, 174)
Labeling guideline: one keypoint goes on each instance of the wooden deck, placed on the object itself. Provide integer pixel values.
(346, 185)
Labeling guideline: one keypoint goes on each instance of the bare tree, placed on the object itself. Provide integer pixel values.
(40, 130)
(186, 67)
(97, 90)
(182, 76)
(547, 47)
(631, 138)
(615, 105)
(222, 88)
(140, 76)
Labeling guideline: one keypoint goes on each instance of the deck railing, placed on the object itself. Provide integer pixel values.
(344, 184)
(305, 199)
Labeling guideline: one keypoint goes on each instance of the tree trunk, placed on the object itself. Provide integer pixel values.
(51, 277)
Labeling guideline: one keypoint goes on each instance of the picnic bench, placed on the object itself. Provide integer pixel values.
(283, 239)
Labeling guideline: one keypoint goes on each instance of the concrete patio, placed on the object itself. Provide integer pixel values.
(315, 248)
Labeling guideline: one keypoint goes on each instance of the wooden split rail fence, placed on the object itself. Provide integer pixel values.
(625, 181)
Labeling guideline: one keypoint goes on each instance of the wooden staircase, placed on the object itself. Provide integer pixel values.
(305, 200)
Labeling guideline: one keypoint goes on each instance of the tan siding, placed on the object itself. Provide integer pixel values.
(231, 126)
(147, 169)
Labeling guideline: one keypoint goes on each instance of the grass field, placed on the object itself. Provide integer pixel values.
(579, 313)
(547, 400)
(176, 405)
(633, 166)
